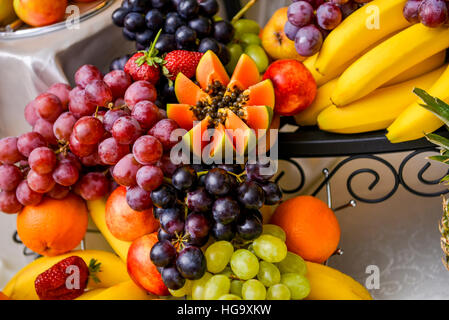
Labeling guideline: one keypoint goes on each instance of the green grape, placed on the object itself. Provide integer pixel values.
(268, 274)
(236, 51)
(275, 231)
(244, 264)
(298, 285)
(269, 248)
(229, 297)
(253, 290)
(293, 264)
(217, 286)
(278, 292)
(257, 53)
(236, 287)
(248, 39)
(227, 272)
(246, 26)
(198, 286)
(251, 249)
(218, 255)
(186, 290)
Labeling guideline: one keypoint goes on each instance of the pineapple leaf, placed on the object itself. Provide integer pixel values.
(434, 105)
(438, 140)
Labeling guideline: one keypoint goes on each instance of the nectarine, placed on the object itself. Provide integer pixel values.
(38, 13)
(125, 223)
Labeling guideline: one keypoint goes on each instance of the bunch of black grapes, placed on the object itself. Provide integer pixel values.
(222, 202)
(186, 24)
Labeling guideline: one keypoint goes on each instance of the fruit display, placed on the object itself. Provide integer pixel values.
(187, 25)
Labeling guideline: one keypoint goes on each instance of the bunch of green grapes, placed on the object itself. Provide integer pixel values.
(246, 40)
(260, 270)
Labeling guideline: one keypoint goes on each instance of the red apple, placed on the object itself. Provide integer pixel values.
(140, 268)
(125, 223)
(294, 86)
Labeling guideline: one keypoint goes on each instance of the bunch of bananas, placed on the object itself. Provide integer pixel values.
(367, 69)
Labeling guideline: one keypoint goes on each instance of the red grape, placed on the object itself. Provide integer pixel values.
(433, 13)
(48, 106)
(138, 199)
(62, 91)
(58, 192)
(30, 113)
(290, 30)
(70, 157)
(167, 166)
(300, 13)
(150, 177)
(41, 183)
(125, 171)
(86, 74)
(110, 151)
(88, 130)
(93, 186)
(111, 116)
(91, 160)
(163, 131)
(9, 152)
(45, 129)
(126, 130)
(308, 40)
(66, 173)
(9, 202)
(147, 113)
(79, 149)
(26, 196)
(328, 16)
(118, 81)
(147, 150)
(98, 93)
(10, 177)
(42, 160)
(139, 91)
(29, 141)
(411, 10)
(79, 106)
(63, 126)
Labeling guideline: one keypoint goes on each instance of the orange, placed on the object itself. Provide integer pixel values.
(53, 227)
(312, 228)
(3, 296)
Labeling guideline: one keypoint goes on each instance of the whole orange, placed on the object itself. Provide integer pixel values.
(53, 227)
(312, 228)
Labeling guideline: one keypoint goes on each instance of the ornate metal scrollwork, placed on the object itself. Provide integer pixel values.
(398, 176)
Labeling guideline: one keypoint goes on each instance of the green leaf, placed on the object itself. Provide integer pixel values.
(438, 140)
(444, 159)
(94, 268)
(434, 105)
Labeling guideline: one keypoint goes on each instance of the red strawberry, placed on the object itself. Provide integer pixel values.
(181, 61)
(54, 283)
(144, 65)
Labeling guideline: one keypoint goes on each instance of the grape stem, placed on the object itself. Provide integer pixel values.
(243, 10)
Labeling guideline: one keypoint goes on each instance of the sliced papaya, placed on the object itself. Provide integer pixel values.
(261, 93)
(245, 74)
(258, 118)
(182, 114)
(266, 143)
(221, 144)
(187, 92)
(243, 137)
(194, 138)
(210, 69)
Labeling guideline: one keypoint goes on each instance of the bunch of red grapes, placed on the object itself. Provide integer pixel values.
(310, 21)
(431, 13)
(222, 201)
(105, 126)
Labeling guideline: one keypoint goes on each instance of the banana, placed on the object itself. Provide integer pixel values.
(122, 291)
(387, 60)
(327, 283)
(322, 100)
(415, 121)
(355, 34)
(112, 272)
(309, 116)
(321, 80)
(97, 212)
(377, 110)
